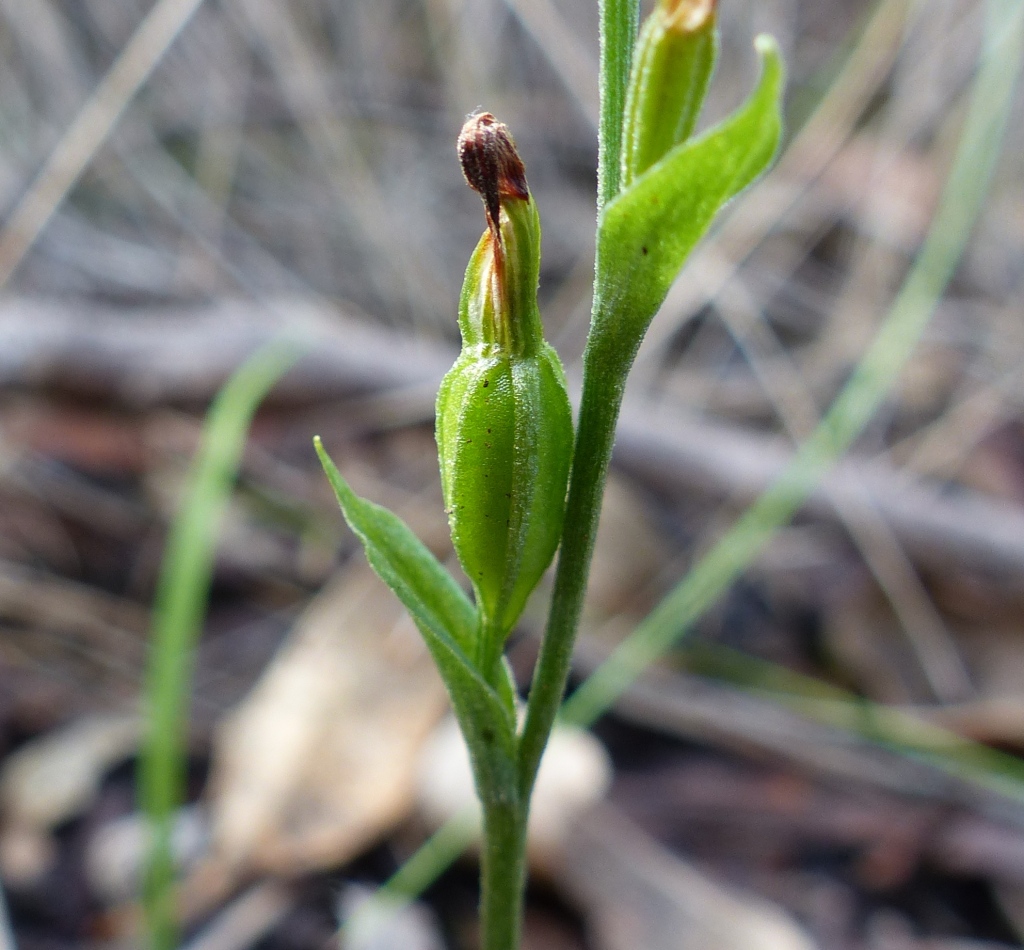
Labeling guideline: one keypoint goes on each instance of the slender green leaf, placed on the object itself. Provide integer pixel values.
(445, 618)
(646, 233)
(185, 577)
(405, 564)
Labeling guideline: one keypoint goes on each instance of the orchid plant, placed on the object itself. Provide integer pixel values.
(520, 481)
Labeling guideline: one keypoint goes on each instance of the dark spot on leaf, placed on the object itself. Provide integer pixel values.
(643, 250)
(487, 382)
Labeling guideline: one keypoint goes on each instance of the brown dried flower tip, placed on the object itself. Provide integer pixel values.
(491, 164)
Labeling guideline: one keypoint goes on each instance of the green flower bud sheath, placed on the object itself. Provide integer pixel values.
(675, 56)
(504, 426)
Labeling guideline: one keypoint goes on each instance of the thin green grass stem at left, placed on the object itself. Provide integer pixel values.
(180, 603)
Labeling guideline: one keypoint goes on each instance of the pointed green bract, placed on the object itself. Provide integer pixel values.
(446, 619)
(404, 563)
(646, 233)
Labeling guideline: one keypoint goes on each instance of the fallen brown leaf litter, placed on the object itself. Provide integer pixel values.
(735, 815)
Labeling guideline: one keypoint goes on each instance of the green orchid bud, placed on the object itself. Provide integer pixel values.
(675, 56)
(504, 426)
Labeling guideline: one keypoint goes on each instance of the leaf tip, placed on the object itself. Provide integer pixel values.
(769, 53)
(325, 460)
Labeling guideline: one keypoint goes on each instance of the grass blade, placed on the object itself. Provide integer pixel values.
(180, 604)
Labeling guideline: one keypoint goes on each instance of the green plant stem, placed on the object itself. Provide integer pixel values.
(180, 603)
(626, 294)
(604, 378)
(490, 649)
(603, 386)
(502, 875)
(619, 24)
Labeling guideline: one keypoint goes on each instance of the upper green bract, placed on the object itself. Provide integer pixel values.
(648, 229)
(504, 428)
